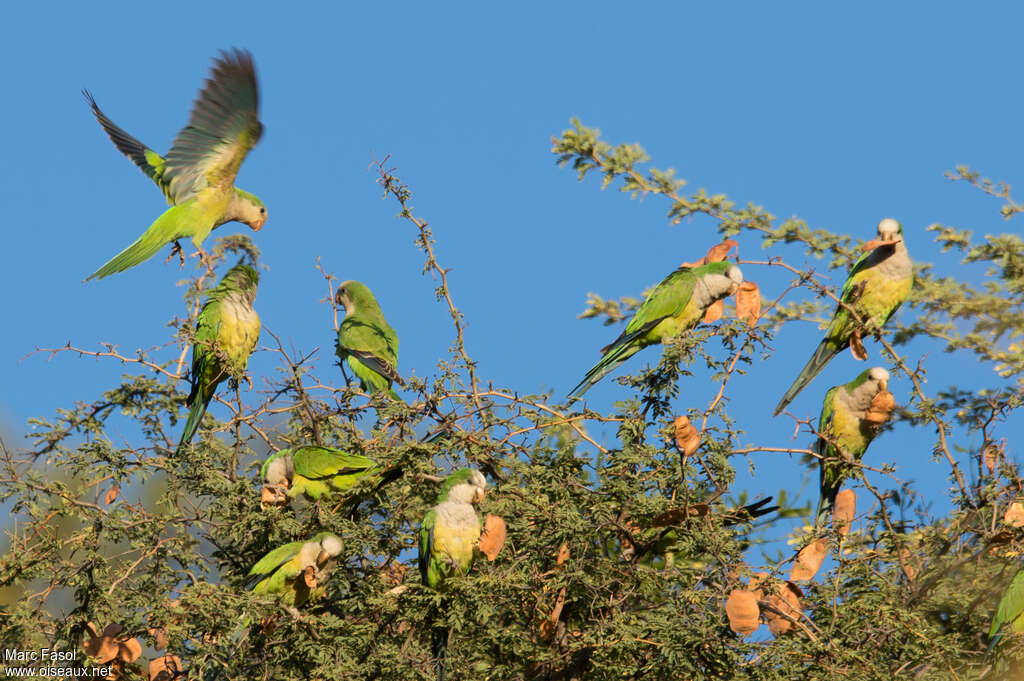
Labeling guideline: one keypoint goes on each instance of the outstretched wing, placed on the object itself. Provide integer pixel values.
(223, 127)
(150, 162)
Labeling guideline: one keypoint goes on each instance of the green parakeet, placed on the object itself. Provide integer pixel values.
(1010, 611)
(877, 285)
(226, 333)
(315, 471)
(288, 571)
(846, 433)
(675, 305)
(198, 175)
(448, 536)
(366, 342)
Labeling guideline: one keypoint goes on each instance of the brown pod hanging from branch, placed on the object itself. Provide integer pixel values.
(743, 612)
(687, 437)
(845, 508)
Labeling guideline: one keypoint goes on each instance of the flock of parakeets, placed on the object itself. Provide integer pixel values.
(197, 178)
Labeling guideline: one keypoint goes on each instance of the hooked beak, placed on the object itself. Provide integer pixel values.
(322, 557)
(258, 225)
(875, 243)
(479, 495)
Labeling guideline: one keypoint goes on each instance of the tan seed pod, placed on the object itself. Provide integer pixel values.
(907, 563)
(309, 576)
(809, 560)
(744, 615)
(129, 650)
(857, 347)
(786, 600)
(111, 495)
(990, 457)
(714, 312)
(748, 302)
(687, 437)
(1014, 516)
(720, 252)
(165, 668)
(492, 538)
(881, 408)
(844, 510)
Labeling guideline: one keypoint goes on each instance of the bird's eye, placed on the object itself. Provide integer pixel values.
(263, 211)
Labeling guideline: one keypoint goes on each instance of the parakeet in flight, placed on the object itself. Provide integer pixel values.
(877, 285)
(846, 433)
(298, 570)
(448, 536)
(198, 175)
(226, 333)
(675, 305)
(366, 342)
(315, 471)
(1010, 611)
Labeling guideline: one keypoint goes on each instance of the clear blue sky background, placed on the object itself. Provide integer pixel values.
(841, 115)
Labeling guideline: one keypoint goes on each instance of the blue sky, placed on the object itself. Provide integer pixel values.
(840, 115)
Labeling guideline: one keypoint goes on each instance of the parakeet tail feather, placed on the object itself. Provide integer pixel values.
(827, 349)
(143, 249)
(195, 416)
(608, 363)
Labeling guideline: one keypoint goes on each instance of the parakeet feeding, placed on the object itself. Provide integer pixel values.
(197, 177)
(226, 333)
(675, 305)
(296, 571)
(877, 285)
(314, 471)
(846, 428)
(366, 342)
(448, 536)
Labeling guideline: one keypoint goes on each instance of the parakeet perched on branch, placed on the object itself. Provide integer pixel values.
(226, 333)
(448, 536)
(314, 471)
(366, 342)
(846, 428)
(298, 570)
(197, 177)
(877, 285)
(675, 305)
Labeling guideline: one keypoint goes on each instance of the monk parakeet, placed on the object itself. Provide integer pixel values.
(675, 305)
(877, 285)
(448, 536)
(226, 333)
(1010, 611)
(315, 471)
(366, 342)
(198, 175)
(845, 433)
(296, 570)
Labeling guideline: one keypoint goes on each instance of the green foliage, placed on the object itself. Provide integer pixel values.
(619, 558)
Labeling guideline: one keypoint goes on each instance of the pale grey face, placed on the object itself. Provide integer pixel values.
(880, 376)
(331, 545)
(343, 298)
(280, 470)
(889, 230)
(471, 491)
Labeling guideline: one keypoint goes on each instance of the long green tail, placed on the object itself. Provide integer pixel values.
(605, 366)
(195, 416)
(827, 501)
(168, 227)
(827, 349)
